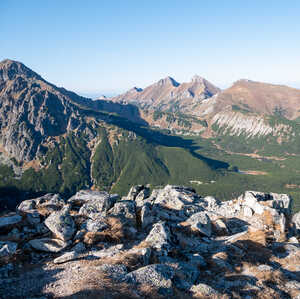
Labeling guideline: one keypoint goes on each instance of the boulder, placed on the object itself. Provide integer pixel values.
(61, 224)
(108, 252)
(94, 225)
(50, 202)
(26, 205)
(200, 222)
(134, 191)
(8, 221)
(48, 245)
(296, 224)
(175, 197)
(7, 248)
(66, 257)
(159, 238)
(146, 216)
(140, 199)
(95, 203)
(126, 211)
(203, 290)
(157, 276)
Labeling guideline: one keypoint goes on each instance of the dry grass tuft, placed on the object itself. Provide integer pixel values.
(113, 234)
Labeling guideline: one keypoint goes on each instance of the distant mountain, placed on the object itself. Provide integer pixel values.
(261, 98)
(169, 95)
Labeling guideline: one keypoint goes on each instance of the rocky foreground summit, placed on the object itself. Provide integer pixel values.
(168, 243)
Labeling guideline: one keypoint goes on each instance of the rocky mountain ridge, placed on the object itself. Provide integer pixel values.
(169, 95)
(170, 242)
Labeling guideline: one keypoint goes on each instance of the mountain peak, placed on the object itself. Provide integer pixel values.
(197, 78)
(10, 69)
(168, 81)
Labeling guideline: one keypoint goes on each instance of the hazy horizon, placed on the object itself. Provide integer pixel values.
(107, 48)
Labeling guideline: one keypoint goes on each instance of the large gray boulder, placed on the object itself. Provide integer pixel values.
(200, 222)
(51, 202)
(48, 245)
(159, 238)
(66, 257)
(61, 224)
(142, 197)
(126, 211)
(296, 223)
(94, 203)
(7, 248)
(134, 191)
(203, 290)
(26, 205)
(175, 197)
(157, 276)
(94, 225)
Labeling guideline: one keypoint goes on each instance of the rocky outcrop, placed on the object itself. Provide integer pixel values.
(169, 242)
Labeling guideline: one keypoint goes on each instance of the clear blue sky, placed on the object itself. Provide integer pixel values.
(110, 46)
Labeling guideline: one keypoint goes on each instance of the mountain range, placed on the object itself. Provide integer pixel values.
(52, 140)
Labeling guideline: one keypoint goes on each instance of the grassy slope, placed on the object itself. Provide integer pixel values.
(279, 173)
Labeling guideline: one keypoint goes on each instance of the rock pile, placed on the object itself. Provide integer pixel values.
(167, 243)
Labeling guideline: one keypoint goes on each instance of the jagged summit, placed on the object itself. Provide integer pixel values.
(10, 69)
(197, 78)
(168, 81)
(170, 95)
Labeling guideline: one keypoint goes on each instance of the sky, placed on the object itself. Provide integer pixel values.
(107, 47)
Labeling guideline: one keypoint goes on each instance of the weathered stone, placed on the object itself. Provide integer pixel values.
(7, 248)
(146, 216)
(95, 203)
(50, 202)
(134, 191)
(8, 221)
(126, 211)
(204, 290)
(175, 197)
(48, 245)
(159, 237)
(66, 257)
(115, 272)
(220, 227)
(61, 224)
(248, 212)
(140, 199)
(209, 203)
(158, 276)
(94, 225)
(296, 223)
(107, 252)
(200, 222)
(26, 205)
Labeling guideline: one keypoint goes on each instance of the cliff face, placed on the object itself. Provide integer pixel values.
(168, 243)
(31, 110)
